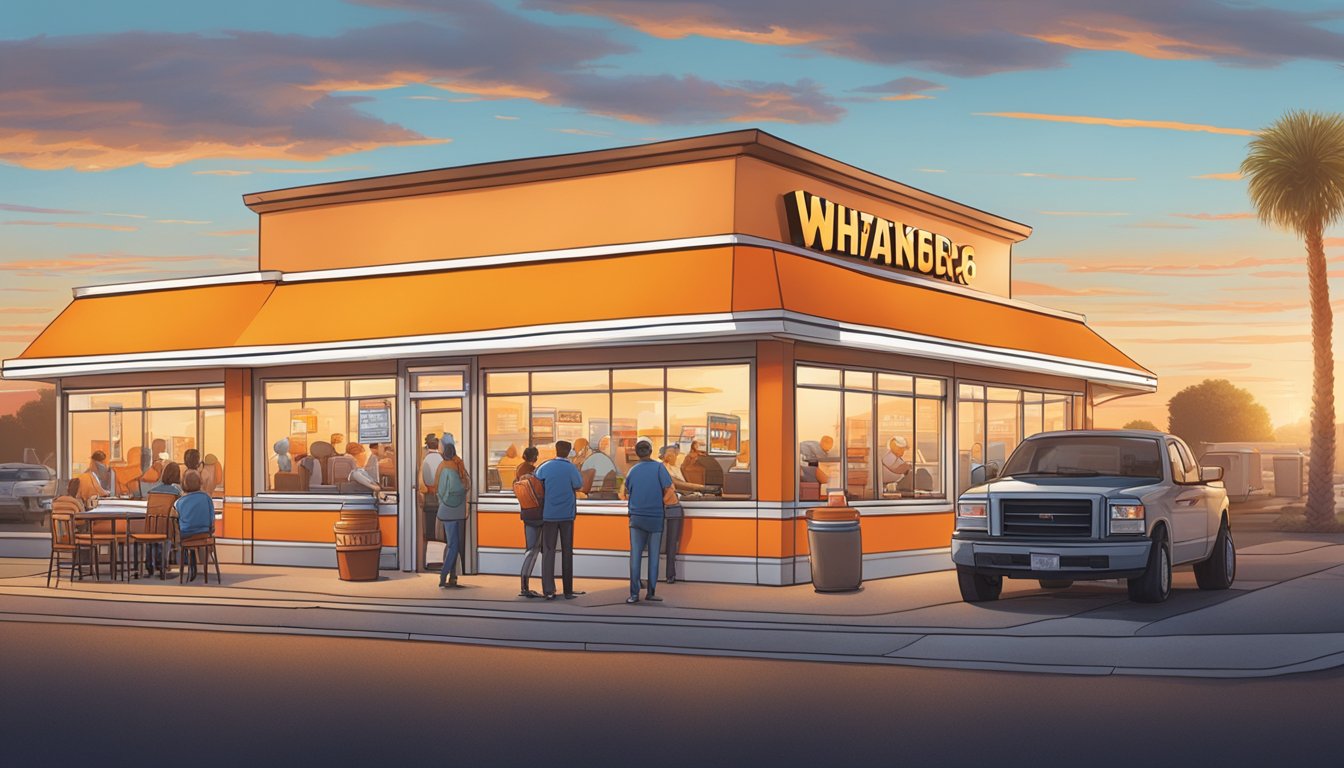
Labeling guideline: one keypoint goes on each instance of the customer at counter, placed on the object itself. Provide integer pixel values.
(597, 469)
(674, 514)
(645, 488)
(429, 469)
(562, 481)
(508, 466)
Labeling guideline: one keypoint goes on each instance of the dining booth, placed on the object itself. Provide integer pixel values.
(791, 325)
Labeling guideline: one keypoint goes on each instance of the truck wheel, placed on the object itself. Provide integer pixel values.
(1220, 569)
(1154, 585)
(1055, 583)
(976, 588)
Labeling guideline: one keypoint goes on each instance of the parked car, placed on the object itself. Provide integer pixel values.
(1095, 504)
(26, 491)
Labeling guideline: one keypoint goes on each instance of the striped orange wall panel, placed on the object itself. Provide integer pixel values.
(683, 200)
(232, 524)
(499, 529)
(755, 284)
(733, 537)
(775, 538)
(895, 533)
(774, 420)
(290, 525)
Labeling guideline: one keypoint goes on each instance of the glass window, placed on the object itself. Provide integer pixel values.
(824, 377)
(505, 382)
(571, 381)
(858, 379)
(891, 382)
(970, 442)
(637, 378)
(309, 442)
(138, 431)
(704, 410)
(992, 421)
(172, 398)
(892, 439)
(1056, 415)
(437, 382)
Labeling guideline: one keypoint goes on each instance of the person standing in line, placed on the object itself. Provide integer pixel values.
(531, 528)
(559, 507)
(452, 486)
(646, 484)
(674, 513)
(429, 470)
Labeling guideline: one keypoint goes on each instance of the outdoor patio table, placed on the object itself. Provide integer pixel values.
(115, 521)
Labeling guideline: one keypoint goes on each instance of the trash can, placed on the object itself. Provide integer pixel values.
(1288, 476)
(359, 542)
(836, 548)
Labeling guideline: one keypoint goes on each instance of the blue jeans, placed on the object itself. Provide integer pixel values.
(641, 540)
(455, 532)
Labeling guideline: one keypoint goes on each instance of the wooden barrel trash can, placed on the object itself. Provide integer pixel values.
(359, 543)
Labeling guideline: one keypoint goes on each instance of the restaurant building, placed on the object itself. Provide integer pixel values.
(789, 321)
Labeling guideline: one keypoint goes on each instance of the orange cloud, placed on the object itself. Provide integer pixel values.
(1082, 213)
(1334, 242)
(1168, 267)
(73, 225)
(905, 97)
(1025, 288)
(1219, 176)
(24, 310)
(1250, 339)
(1214, 216)
(1119, 122)
(111, 263)
(1112, 32)
(232, 233)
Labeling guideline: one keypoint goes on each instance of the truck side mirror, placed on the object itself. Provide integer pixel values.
(1210, 474)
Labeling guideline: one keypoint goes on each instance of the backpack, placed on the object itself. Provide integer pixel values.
(530, 491)
(451, 491)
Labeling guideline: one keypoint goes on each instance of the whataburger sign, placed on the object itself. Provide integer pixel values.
(822, 225)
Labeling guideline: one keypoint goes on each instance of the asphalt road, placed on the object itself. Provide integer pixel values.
(146, 697)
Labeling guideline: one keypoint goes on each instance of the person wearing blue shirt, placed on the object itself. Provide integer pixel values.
(195, 514)
(561, 479)
(644, 485)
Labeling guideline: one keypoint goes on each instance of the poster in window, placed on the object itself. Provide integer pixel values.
(624, 432)
(568, 425)
(375, 421)
(543, 426)
(114, 435)
(725, 432)
(302, 421)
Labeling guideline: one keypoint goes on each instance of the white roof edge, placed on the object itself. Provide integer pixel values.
(113, 289)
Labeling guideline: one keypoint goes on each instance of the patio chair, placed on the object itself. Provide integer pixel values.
(63, 544)
(158, 509)
(203, 544)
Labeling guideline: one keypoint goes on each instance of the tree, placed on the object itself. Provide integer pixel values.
(1296, 180)
(1215, 411)
(1141, 424)
(33, 426)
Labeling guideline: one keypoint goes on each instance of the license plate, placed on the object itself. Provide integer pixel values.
(1044, 562)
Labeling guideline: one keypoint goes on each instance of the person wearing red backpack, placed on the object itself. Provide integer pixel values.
(529, 506)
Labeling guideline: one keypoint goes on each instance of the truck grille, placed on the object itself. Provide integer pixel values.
(1064, 518)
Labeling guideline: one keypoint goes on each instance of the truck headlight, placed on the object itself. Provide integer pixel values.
(972, 515)
(1128, 518)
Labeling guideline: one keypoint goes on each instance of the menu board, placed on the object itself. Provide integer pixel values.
(543, 426)
(725, 433)
(568, 425)
(375, 421)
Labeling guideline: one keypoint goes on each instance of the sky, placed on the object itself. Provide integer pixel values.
(129, 132)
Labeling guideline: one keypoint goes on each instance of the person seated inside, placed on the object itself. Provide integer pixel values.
(170, 480)
(669, 454)
(508, 465)
(195, 516)
(360, 475)
(596, 468)
(896, 471)
(812, 453)
(97, 481)
(212, 474)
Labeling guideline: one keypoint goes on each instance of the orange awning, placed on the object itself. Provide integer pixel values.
(710, 292)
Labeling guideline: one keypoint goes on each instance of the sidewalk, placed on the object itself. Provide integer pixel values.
(1284, 615)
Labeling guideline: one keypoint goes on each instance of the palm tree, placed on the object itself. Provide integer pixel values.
(1296, 173)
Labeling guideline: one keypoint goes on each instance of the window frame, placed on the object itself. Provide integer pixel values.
(483, 373)
(1047, 397)
(876, 393)
(261, 445)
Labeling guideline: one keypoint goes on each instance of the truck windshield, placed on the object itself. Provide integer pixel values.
(1087, 456)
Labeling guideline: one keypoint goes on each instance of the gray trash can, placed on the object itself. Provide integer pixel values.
(1288, 476)
(836, 549)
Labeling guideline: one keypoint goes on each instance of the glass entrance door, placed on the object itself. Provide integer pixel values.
(436, 420)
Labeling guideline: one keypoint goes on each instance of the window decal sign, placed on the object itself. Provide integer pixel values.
(375, 421)
(822, 225)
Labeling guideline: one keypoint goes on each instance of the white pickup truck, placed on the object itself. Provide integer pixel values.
(1095, 504)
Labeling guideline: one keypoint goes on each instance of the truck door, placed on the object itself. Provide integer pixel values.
(1189, 513)
(1213, 500)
